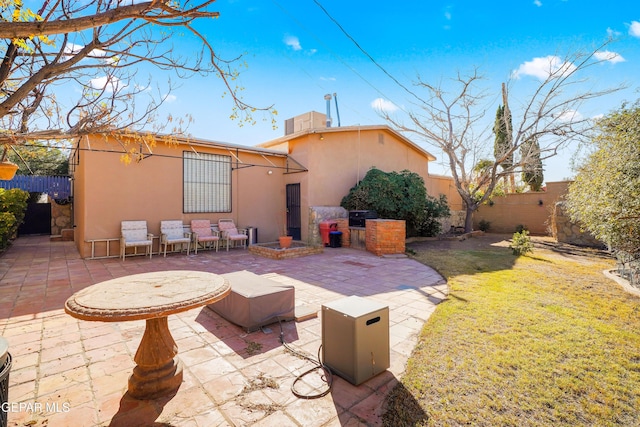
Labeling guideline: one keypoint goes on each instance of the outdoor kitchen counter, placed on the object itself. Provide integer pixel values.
(152, 297)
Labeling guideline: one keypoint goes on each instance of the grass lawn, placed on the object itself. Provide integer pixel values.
(543, 339)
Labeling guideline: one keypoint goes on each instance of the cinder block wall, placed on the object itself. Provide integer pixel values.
(385, 236)
(532, 210)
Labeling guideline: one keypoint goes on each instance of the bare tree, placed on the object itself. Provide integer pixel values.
(71, 68)
(453, 123)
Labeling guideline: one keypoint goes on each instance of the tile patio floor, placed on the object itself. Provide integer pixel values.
(68, 372)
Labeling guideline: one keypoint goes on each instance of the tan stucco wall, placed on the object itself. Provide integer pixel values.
(438, 184)
(106, 191)
(532, 210)
(339, 160)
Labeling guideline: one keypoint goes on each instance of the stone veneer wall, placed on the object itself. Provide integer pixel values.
(317, 214)
(455, 220)
(565, 231)
(385, 236)
(60, 219)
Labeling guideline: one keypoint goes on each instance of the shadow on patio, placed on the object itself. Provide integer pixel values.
(75, 373)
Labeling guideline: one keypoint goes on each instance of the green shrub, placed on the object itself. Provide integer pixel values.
(427, 224)
(520, 228)
(13, 204)
(399, 195)
(7, 225)
(521, 243)
(484, 225)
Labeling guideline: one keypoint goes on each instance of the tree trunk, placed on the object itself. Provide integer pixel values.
(468, 220)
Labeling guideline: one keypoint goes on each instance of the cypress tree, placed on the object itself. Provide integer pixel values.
(532, 173)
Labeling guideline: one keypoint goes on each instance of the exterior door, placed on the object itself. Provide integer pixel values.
(37, 219)
(294, 222)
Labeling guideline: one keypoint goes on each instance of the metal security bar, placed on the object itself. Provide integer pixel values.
(207, 182)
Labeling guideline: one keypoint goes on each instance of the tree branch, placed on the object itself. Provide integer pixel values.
(23, 30)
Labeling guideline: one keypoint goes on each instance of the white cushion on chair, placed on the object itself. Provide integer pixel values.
(173, 232)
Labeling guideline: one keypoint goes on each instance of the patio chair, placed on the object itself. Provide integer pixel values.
(133, 234)
(172, 233)
(202, 234)
(231, 233)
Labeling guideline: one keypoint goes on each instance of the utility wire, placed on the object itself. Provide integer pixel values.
(338, 57)
(367, 54)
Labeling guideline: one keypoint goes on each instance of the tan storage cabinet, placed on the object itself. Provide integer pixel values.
(355, 338)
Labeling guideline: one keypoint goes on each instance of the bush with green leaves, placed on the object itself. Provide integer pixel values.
(399, 195)
(604, 198)
(521, 243)
(520, 228)
(484, 225)
(13, 204)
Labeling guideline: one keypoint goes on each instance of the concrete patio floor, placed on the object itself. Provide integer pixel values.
(69, 372)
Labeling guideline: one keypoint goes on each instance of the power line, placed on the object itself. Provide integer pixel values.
(366, 53)
(334, 54)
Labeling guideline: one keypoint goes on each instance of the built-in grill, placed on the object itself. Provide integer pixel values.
(358, 218)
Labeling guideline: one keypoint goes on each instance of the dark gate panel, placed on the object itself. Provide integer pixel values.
(294, 223)
(37, 219)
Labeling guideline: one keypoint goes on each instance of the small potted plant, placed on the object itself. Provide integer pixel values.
(284, 239)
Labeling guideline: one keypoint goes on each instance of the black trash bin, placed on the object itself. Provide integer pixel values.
(252, 232)
(5, 367)
(335, 239)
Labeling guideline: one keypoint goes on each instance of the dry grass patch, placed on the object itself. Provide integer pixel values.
(537, 340)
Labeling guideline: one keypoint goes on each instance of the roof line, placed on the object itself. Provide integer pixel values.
(356, 128)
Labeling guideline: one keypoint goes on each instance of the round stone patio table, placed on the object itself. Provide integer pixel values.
(152, 297)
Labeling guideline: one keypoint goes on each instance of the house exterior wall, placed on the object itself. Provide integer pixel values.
(438, 184)
(532, 210)
(340, 160)
(106, 191)
(337, 159)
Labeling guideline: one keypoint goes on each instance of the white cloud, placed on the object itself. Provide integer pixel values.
(611, 33)
(537, 3)
(71, 49)
(383, 105)
(168, 98)
(570, 116)
(543, 68)
(606, 55)
(108, 83)
(634, 29)
(292, 42)
(328, 79)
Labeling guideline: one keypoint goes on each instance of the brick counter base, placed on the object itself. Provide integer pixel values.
(343, 225)
(385, 236)
(293, 252)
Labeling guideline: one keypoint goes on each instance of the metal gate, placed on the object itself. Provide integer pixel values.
(37, 219)
(294, 222)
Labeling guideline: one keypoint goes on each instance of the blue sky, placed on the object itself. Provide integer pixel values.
(295, 54)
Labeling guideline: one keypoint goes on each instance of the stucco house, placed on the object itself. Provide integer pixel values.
(175, 179)
(337, 158)
(271, 186)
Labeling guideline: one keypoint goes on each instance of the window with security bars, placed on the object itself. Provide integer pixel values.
(207, 182)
